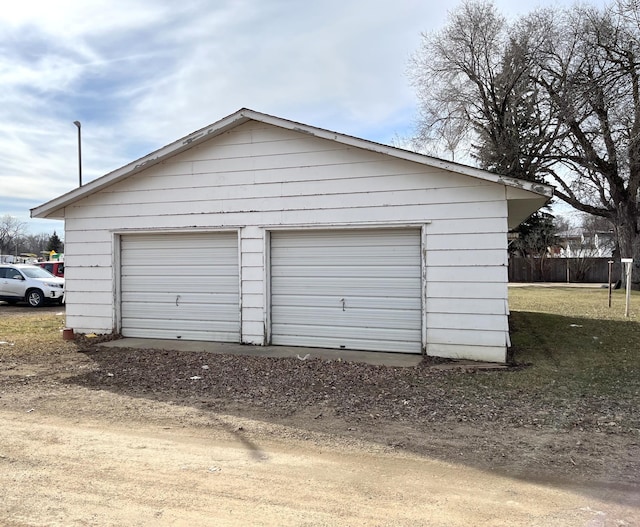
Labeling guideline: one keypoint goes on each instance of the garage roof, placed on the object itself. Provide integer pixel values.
(524, 197)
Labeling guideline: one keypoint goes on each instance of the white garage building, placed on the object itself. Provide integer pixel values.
(261, 230)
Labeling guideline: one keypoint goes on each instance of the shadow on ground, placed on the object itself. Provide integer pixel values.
(518, 422)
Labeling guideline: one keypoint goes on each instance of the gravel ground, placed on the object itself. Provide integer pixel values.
(282, 387)
(452, 415)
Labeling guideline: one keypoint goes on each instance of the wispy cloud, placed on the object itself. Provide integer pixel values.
(139, 74)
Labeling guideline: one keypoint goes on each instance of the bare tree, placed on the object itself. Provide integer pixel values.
(554, 96)
(473, 80)
(590, 73)
(11, 229)
(36, 243)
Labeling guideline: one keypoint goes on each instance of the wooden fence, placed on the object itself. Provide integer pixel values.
(581, 270)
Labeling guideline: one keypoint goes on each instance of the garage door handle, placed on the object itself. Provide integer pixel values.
(343, 304)
(177, 298)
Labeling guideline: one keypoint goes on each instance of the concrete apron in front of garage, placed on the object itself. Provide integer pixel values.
(405, 360)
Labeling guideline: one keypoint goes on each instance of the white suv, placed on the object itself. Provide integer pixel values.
(29, 283)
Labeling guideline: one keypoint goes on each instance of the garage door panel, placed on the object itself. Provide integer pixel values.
(196, 309)
(382, 319)
(178, 249)
(353, 333)
(216, 285)
(362, 282)
(364, 238)
(356, 341)
(185, 333)
(182, 272)
(130, 299)
(322, 257)
(357, 289)
(347, 287)
(179, 241)
(180, 286)
(355, 301)
(133, 254)
(334, 271)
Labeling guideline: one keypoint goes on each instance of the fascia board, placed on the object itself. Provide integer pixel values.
(57, 205)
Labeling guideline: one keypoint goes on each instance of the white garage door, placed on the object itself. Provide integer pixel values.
(180, 286)
(352, 289)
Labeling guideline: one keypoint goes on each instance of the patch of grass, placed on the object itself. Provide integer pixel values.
(38, 334)
(572, 301)
(579, 356)
(579, 362)
(574, 344)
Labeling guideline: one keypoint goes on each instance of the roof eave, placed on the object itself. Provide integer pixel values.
(407, 155)
(55, 207)
(522, 203)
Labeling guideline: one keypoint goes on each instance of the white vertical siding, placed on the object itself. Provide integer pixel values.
(252, 284)
(89, 285)
(467, 289)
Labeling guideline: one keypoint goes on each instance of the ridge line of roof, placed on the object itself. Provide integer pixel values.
(244, 115)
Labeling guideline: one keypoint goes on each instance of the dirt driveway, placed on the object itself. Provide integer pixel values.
(234, 472)
(90, 437)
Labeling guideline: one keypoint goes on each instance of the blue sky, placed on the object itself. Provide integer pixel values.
(139, 74)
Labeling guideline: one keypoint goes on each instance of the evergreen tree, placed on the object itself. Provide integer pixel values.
(55, 243)
(535, 236)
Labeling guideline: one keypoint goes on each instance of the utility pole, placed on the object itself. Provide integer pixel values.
(77, 123)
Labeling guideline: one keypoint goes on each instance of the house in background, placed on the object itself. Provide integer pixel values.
(582, 243)
(261, 230)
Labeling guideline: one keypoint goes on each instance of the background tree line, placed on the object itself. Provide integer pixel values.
(553, 96)
(14, 239)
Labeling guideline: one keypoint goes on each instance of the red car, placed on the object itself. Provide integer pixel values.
(55, 268)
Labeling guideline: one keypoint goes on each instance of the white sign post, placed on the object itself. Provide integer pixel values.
(627, 269)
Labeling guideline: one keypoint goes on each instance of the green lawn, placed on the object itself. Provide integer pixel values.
(573, 344)
(577, 364)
